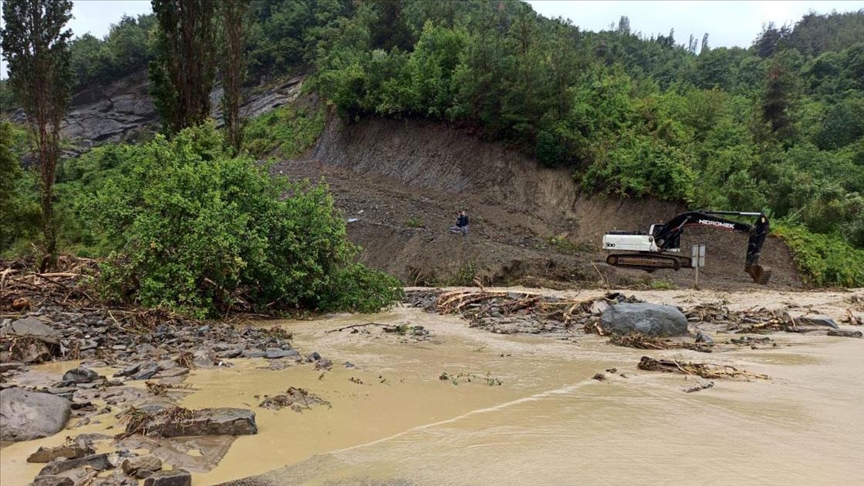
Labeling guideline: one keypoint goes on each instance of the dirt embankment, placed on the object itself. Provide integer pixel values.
(401, 183)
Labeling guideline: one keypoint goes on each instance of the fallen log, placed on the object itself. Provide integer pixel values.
(705, 370)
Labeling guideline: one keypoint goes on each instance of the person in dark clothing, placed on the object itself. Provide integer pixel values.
(461, 224)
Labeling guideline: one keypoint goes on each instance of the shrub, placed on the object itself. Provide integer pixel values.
(287, 130)
(823, 260)
(19, 207)
(191, 228)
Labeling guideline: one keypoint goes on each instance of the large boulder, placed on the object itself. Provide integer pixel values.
(649, 319)
(34, 328)
(26, 415)
(37, 341)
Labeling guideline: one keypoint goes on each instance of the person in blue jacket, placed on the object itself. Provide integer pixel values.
(461, 224)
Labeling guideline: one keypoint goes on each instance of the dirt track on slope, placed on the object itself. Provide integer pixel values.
(402, 182)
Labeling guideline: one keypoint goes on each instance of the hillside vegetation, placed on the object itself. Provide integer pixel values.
(777, 126)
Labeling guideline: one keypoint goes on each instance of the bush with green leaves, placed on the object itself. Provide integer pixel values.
(287, 131)
(823, 260)
(19, 203)
(191, 228)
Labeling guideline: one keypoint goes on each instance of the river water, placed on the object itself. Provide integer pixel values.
(548, 422)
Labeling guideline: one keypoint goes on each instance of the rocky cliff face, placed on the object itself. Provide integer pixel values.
(124, 110)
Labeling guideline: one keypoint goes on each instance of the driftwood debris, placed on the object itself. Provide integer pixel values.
(534, 312)
(297, 399)
(705, 370)
(22, 287)
(641, 341)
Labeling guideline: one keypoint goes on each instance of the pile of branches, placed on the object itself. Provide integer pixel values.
(480, 305)
(755, 320)
(23, 287)
(641, 341)
(705, 370)
(138, 421)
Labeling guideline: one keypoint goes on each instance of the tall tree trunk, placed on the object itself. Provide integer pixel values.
(233, 68)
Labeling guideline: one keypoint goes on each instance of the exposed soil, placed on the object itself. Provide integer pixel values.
(400, 184)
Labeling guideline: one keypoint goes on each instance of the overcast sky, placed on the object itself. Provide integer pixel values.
(727, 23)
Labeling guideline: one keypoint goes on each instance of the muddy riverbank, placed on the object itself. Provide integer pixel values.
(513, 407)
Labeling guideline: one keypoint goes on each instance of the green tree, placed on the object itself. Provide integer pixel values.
(183, 72)
(193, 228)
(35, 45)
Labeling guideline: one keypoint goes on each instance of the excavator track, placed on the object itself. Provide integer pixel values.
(647, 261)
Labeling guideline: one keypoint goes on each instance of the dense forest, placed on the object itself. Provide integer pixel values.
(777, 126)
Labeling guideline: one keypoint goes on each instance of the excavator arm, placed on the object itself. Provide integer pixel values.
(665, 240)
(668, 236)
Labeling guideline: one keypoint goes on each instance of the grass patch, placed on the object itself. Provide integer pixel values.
(414, 223)
(286, 131)
(564, 245)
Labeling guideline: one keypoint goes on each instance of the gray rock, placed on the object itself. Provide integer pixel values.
(141, 466)
(702, 337)
(42, 343)
(10, 366)
(129, 370)
(53, 481)
(98, 462)
(816, 321)
(66, 451)
(849, 334)
(254, 353)
(66, 392)
(229, 354)
(34, 328)
(145, 348)
(80, 375)
(276, 353)
(26, 415)
(172, 373)
(204, 359)
(145, 372)
(648, 319)
(175, 477)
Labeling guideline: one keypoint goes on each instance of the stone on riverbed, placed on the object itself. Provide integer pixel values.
(816, 321)
(34, 328)
(175, 477)
(98, 462)
(179, 422)
(277, 353)
(849, 334)
(142, 466)
(66, 451)
(53, 481)
(26, 415)
(649, 319)
(37, 341)
(80, 375)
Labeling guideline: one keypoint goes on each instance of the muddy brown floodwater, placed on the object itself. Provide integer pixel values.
(392, 421)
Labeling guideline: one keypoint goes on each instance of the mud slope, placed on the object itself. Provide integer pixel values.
(404, 181)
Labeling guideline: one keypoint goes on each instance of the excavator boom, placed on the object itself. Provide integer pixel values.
(656, 249)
